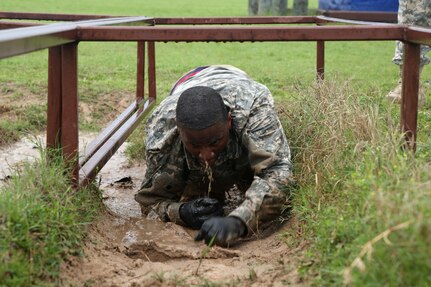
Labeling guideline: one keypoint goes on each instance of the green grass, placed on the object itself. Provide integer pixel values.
(354, 180)
(42, 221)
(26, 119)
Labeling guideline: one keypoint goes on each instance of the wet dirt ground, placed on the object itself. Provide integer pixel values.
(124, 249)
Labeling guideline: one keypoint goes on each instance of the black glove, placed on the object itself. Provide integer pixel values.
(195, 212)
(225, 229)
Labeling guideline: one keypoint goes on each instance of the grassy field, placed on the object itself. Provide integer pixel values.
(363, 203)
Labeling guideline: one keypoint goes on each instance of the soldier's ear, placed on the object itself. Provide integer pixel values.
(229, 120)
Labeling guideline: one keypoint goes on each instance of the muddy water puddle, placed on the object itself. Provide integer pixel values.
(118, 180)
(12, 156)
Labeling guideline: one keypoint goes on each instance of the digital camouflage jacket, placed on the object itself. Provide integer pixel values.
(256, 158)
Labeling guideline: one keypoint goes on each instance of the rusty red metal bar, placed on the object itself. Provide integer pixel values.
(234, 34)
(152, 71)
(28, 39)
(236, 20)
(94, 163)
(410, 89)
(104, 146)
(107, 133)
(13, 25)
(69, 103)
(53, 129)
(320, 60)
(140, 72)
(418, 35)
(51, 16)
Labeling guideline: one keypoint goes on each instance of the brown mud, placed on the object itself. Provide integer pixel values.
(124, 249)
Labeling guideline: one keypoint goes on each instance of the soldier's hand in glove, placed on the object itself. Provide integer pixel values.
(195, 212)
(226, 230)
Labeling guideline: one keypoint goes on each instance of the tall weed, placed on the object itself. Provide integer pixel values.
(355, 183)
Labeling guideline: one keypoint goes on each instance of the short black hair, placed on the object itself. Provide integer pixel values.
(199, 108)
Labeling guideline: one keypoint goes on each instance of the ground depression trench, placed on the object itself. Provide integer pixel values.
(124, 249)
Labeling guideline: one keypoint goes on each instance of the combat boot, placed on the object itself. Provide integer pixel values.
(394, 96)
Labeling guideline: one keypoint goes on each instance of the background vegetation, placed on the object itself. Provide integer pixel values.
(362, 203)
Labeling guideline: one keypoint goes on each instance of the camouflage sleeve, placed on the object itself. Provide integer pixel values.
(269, 157)
(161, 188)
(164, 181)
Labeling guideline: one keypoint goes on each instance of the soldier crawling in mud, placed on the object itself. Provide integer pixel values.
(217, 129)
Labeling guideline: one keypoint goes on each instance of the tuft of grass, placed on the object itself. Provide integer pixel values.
(7, 136)
(24, 120)
(42, 221)
(136, 150)
(356, 182)
(204, 253)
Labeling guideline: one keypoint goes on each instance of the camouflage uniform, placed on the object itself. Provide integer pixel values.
(256, 158)
(418, 13)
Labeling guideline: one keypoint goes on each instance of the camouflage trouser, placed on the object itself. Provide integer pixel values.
(418, 13)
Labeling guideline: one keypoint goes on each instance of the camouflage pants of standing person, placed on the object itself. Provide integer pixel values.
(418, 13)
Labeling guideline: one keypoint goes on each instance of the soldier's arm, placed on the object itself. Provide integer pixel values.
(163, 183)
(269, 157)
(162, 186)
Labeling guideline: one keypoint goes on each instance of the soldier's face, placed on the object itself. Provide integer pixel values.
(206, 144)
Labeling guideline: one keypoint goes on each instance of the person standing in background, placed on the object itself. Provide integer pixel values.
(418, 13)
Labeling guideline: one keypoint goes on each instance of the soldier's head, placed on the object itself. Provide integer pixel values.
(204, 122)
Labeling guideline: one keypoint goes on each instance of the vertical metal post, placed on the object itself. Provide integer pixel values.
(320, 60)
(69, 122)
(140, 72)
(410, 90)
(152, 71)
(53, 129)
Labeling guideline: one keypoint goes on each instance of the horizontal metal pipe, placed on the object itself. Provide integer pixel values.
(96, 162)
(418, 35)
(166, 21)
(106, 133)
(23, 40)
(12, 25)
(28, 44)
(51, 16)
(232, 34)
(236, 20)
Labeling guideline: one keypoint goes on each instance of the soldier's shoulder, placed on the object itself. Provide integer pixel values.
(161, 127)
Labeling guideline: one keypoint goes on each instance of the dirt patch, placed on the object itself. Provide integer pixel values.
(15, 98)
(19, 104)
(19, 95)
(105, 109)
(139, 252)
(124, 249)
